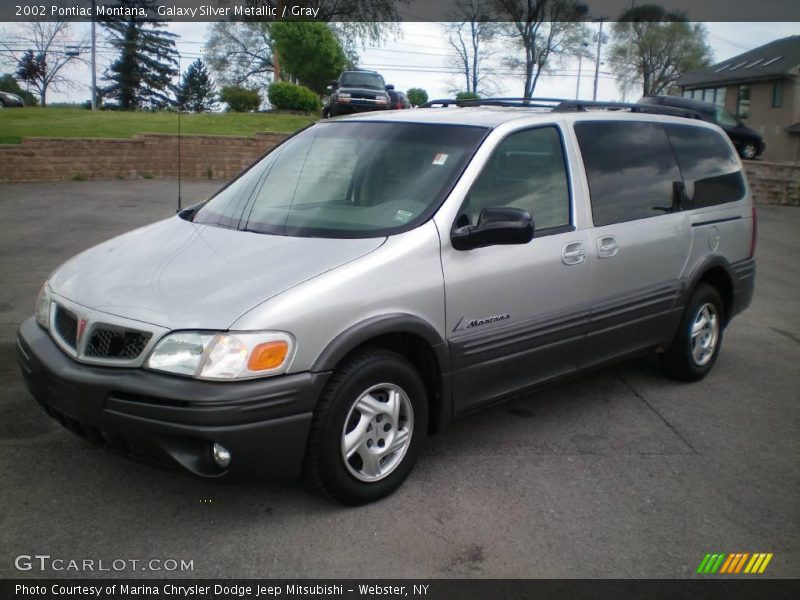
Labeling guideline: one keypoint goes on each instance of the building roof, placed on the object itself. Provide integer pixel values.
(769, 61)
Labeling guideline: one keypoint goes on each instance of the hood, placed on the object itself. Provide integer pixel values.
(180, 275)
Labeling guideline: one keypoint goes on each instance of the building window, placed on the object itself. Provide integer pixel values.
(777, 94)
(743, 102)
(719, 100)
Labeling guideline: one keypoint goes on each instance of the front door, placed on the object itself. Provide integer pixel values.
(516, 314)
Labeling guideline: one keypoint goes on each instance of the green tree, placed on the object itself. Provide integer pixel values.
(541, 30)
(240, 99)
(10, 85)
(196, 91)
(148, 62)
(417, 96)
(241, 53)
(655, 47)
(309, 52)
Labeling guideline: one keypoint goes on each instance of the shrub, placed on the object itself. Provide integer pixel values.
(288, 96)
(240, 99)
(417, 96)
(467, 96)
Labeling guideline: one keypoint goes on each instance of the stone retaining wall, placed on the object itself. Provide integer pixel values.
(143, 156)
(774, 183)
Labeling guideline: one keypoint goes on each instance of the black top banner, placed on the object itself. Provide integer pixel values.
(370, 10)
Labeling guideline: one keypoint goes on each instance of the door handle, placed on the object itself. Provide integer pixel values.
(607, 246)
(573, 253)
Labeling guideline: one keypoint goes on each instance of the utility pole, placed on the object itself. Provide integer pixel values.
(580, 61)
(597, 58)
(94, 57)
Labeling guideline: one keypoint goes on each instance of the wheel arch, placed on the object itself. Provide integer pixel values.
(415, 339)
(716, 271)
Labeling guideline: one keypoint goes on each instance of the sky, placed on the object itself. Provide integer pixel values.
(419, 57)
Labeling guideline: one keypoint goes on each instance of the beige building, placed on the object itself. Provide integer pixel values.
(762, 87)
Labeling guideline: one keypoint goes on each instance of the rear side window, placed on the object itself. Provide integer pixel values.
(631, 169)
(708, 164)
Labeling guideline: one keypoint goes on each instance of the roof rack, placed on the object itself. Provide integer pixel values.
(565, 105)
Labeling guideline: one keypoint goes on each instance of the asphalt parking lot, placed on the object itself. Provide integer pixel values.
(620, 473)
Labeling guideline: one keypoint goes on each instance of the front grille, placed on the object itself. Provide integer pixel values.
(66, 324)
(106, 342)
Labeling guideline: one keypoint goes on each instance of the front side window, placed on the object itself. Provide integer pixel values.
(347, 179)
(724, 117)
(631, 169)
(708, 164)
(526, 171)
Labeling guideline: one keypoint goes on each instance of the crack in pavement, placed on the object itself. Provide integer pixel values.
(652, 408)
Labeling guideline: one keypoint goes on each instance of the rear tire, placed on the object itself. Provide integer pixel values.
(695, 348)
(368, 428)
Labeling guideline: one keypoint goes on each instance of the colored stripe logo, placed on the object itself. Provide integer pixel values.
(735, 563)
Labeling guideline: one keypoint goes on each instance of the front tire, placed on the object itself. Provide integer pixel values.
(368, 428)
(695, 348)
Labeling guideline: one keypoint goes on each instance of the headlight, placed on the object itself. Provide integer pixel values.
(43, 306)
(223, 356)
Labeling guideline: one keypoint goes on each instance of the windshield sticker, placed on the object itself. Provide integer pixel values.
(402, 216)
(440, 159)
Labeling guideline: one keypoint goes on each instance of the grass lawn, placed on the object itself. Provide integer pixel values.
(72, 122)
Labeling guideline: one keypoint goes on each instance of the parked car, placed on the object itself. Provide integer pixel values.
(747, 141)
(377, 276)
(9, 100)
(356, 91)
(397, 100)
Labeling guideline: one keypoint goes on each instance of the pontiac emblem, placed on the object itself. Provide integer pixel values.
(81, 329)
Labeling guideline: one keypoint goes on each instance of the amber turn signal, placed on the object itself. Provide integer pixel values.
(269, 355)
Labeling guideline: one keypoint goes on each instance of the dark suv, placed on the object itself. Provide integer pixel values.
(747, 141)
(356, 91)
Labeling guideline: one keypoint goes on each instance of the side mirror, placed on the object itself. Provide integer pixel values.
(389, 87)
(496, 226)
(334, 83)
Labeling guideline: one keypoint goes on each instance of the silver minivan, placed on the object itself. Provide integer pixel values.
(377, 276)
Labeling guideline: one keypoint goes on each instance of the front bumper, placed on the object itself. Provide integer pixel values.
(172, 420)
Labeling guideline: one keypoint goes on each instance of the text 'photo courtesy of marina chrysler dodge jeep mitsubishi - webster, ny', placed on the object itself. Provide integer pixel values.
(376, 276)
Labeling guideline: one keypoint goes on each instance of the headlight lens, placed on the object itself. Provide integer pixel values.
(43, 306)
(223, 356)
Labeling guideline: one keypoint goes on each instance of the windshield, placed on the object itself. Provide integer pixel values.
(347, 179)
(363, 80)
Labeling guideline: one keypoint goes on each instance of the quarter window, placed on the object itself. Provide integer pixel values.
(527, 171)
(708, 164)
(631, 170)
